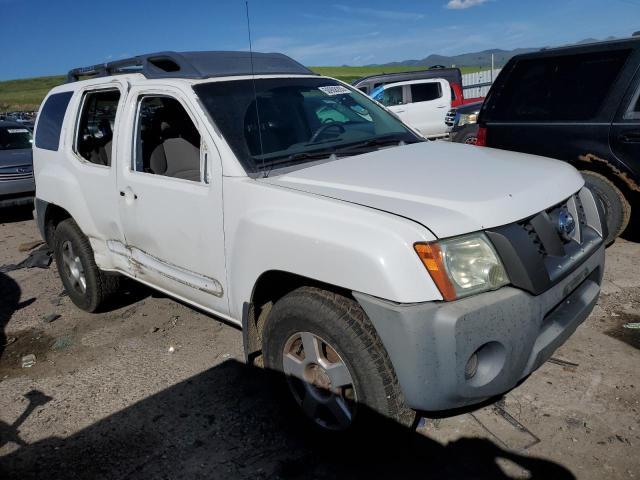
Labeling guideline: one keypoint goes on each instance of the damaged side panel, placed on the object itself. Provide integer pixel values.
(145, 266)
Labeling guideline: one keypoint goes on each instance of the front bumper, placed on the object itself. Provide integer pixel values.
(18, 192)
(512, 331)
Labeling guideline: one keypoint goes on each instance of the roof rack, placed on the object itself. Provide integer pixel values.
(195, 65)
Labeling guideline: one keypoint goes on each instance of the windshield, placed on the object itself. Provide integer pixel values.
(301, 119)
(13, 138)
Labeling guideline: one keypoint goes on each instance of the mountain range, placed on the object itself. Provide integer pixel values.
(474, 59)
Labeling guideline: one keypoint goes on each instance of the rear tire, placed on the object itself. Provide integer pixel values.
(87, 286)
(616, 207)
(348, 370)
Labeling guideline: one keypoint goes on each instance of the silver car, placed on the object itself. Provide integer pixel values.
(17, 185)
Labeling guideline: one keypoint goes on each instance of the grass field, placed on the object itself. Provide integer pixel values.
(349, 74)
(28, 93)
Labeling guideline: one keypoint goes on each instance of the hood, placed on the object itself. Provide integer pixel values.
(449, 188)
(15, 158)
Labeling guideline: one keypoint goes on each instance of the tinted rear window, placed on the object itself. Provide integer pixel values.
(566, 88)
(424, 92)
(50, 120)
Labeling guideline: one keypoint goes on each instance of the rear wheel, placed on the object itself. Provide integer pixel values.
(87, 286)
(335, 368)
(615, 205)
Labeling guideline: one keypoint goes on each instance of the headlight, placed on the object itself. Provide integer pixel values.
(463, 266)
(467, 118)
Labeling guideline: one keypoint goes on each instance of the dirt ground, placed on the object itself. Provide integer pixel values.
(155, 389)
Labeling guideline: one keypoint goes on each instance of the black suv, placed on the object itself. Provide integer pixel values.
(580, 104)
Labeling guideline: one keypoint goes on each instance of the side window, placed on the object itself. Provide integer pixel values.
(390, 96)
(167, 141)
(562, 88)
(633, 113)
(50, 121)
(424, 92)
(95, 129)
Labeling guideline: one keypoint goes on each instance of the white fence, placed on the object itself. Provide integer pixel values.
(477, 84)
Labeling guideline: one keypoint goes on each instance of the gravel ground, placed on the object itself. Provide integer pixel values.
(155, 389)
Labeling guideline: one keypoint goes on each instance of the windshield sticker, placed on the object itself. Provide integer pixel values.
(17, 130)
(334, 90)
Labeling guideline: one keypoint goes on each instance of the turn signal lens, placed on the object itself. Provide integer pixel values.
(431, 257)
(463, 266)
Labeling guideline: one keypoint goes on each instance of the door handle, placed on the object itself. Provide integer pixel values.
(128, 194)
(400, 111)
(629, 137)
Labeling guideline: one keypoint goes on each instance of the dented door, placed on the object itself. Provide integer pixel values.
(170, 199)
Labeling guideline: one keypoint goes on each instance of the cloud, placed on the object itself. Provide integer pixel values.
(462, 4)
(380, 14)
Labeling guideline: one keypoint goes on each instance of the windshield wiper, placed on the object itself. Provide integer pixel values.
(374, 142)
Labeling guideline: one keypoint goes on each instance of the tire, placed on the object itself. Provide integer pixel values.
(616, 207)
(344, 336)
(87, 286)
(469, 138)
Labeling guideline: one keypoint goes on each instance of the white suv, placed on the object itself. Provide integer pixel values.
(378, 271)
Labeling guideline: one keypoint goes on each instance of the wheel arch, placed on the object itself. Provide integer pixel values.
(268, 289)
(49, 215)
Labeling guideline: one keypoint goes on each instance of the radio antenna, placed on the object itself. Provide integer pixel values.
(255, 94)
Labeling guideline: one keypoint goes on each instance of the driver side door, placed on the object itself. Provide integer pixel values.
(170, 199)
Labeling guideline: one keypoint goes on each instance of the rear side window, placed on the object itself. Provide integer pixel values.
(565, 88)
(50, 121)
(95, 130)
(633, 112)
(424, 92)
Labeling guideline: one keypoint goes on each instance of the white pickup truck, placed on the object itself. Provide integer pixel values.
(377, 271)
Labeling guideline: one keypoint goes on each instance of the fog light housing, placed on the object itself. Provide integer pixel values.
(472, 366)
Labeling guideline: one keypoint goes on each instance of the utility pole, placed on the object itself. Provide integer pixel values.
(492, 67)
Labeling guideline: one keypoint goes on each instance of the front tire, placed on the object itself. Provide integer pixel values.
(87, 286)
(616, 207)
(335, 367)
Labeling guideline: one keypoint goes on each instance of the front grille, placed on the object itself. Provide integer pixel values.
(538, 252)
(450, 118)
(15, 173)
(533, 237)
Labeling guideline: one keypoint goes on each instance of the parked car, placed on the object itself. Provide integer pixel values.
(452, 75)
(16, 168)
(580, 104)
(377, 271)
(421, 104)
(462, 123)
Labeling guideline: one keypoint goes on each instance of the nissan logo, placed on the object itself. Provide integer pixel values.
(566, 223)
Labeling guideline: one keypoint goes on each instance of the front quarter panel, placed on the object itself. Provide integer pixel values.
(357, 248)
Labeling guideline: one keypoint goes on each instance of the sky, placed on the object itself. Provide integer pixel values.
(47, 37)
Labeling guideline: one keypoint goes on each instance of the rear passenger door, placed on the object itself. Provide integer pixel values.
(427, 105)
(170, 198)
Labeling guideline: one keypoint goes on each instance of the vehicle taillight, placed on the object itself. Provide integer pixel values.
(457, 95)
(481, 139)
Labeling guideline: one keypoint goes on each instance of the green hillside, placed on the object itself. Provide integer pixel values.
(27, 94)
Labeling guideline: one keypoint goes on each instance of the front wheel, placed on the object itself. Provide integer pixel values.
(335, 367)
(87, 286)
